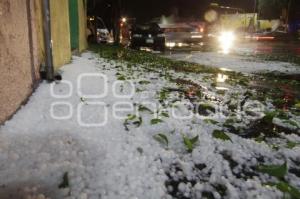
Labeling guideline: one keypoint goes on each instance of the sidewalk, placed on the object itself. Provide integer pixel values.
(137, 156)
(36, 150)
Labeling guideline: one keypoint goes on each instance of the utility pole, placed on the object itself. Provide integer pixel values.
(288, 15)
(48, 40)
(255, 6)
(254, 14)
(116, 12)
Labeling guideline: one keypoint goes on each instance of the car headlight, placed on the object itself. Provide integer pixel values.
(196, 36)
(226, 40)
(161, 35)
(171, 44)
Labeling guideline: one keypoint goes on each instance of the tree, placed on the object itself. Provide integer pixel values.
(116, 16)
(271, 9)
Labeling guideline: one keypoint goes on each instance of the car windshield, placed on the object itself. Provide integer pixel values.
(179, 29)
(145, 28)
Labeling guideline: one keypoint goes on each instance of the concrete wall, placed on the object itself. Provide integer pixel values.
(16, 63)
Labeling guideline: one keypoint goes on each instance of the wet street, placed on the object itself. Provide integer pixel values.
(276, 48)
(250, 57)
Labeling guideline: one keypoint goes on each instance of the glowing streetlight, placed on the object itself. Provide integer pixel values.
(124, 19)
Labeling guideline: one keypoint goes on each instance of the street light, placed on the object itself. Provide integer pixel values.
(124, 20)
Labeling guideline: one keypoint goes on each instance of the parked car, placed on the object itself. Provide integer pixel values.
(181, 35)
(103, 36)
(147, 35)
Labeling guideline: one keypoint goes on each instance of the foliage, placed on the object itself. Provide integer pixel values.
(144, 82)
(286, 188)
(271, 9)
(207, 107)
(163, 139)
(278, 171)
(297, 105)
(291, 145)
(120, 76)
(163, 95)
(143, 108)
(210, 121)
(278, 57)
(149, 59)
(221, 135)
(164, 114)
(269, 116)
(156, 121)
(65, 182)
(133, 119)
(190, 142)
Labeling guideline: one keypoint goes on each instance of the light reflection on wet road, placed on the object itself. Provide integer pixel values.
(254, 57)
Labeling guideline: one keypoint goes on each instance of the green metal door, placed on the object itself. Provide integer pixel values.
(74, 24)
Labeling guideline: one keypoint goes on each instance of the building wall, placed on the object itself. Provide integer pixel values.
(22, 49)
(82, 25)
(74, 23)
(236, 21)
(77, 11)
(16, 62)
(38, 9)
(60, 30)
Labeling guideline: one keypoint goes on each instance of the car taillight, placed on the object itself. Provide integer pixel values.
(264, 38)
(170, 44)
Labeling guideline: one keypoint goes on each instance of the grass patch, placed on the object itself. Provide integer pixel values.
(150, 60)
(270, 85)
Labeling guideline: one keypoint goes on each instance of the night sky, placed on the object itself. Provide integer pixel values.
(147, 9)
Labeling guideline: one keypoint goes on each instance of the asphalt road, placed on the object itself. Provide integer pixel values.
(243, 57)
(250, 48)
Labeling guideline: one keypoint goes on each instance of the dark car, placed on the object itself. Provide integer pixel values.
(182, 35)
(148, 35)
